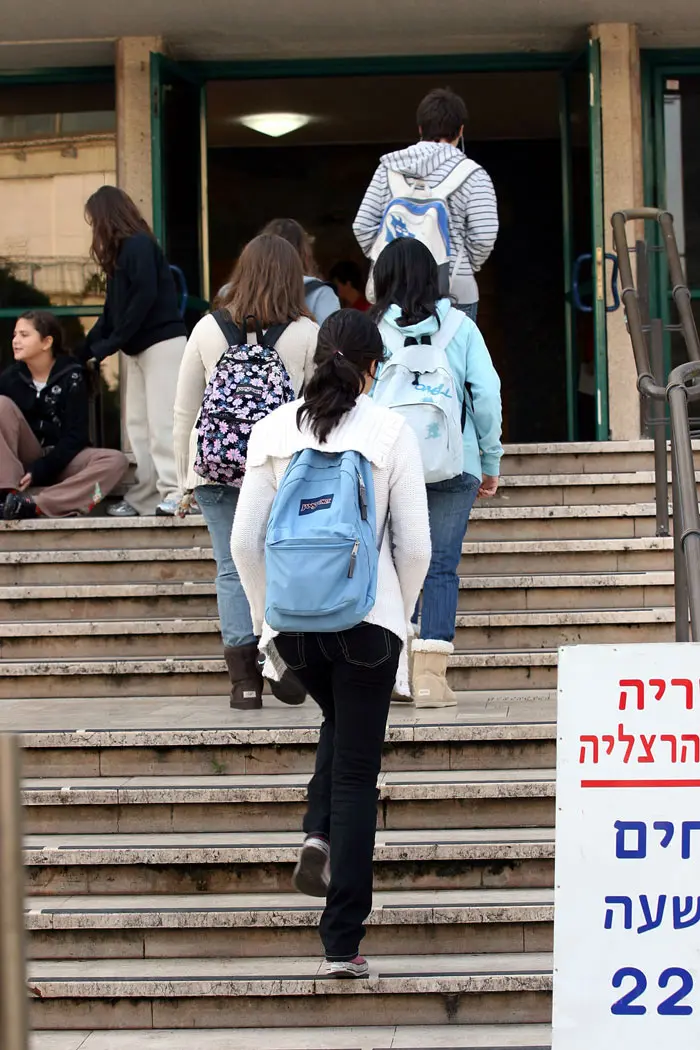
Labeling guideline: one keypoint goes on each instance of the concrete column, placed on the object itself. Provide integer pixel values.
(134, 118)
(623, 188)
(133, 76)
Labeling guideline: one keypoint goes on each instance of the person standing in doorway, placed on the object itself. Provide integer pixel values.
(350, 673)
(141, 317)
(348, 283)
(267, 285)
(470, 201)
(411, 312)
(320, 295)
(47, 468)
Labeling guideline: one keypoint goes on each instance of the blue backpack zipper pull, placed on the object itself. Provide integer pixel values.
(353, 559)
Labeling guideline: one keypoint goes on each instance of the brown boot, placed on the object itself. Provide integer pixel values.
(244, 673)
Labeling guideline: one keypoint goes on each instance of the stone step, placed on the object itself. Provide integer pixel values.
(419, 922)
(167, 565)
(408, 1037)
(604, 521)
(548, 630)
(279, 739)
(106, 566)
(583, 457)
(245, 862)
(172, 993)
(50, 534)
(250, 802)
(540, 490)
(157, 602)
(508, 557)
(206, 676)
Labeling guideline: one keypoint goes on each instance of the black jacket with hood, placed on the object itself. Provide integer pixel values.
(57, 415)
(141, 307)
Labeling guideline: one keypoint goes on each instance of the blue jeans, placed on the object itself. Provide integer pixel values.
(470, 309)
(449, 506)
(218, 506)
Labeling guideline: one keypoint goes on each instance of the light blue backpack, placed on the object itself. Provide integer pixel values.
(321, 555)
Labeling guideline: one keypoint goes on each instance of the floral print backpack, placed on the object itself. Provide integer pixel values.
(248, 383)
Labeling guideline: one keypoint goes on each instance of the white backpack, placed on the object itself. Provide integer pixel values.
(419, 210)
(417, 381)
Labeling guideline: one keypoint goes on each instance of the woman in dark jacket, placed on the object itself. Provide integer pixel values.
(142, 319)
(44, 443)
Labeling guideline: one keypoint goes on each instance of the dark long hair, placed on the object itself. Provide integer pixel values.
(113, 217)
(267, 283)
(299, 239)
(349, 344)
(406, 275)
(46, 325)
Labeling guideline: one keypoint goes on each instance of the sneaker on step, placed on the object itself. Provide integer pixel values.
(167, 508)
(122, 509)
(312, 874)
(18, 507)
(348, 969)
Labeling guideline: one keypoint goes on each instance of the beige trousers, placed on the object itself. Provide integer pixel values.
(86, 480)
(151, 381)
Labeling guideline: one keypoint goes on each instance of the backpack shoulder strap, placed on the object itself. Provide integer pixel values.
(448, 329)
(313, 286)
(273, 333)
(459, 174)
(399, 186)
(230, 330)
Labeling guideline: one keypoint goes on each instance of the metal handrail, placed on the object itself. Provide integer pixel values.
(13, 986)
(680, 390)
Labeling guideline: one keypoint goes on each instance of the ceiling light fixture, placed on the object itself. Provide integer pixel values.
(275, 124)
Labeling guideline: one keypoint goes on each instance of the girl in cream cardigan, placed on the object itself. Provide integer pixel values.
(351, 673)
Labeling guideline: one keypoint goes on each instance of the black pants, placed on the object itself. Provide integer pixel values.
(350, 675)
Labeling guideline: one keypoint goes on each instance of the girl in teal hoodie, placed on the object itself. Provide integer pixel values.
(408, 301)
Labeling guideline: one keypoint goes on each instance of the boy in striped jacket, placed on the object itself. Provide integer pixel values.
(471, 206)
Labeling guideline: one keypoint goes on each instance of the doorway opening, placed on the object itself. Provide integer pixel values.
(318, 173)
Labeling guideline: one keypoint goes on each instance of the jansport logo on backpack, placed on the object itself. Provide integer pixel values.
(417, 381)
(420, 211)
(321, 568)
(247, 384)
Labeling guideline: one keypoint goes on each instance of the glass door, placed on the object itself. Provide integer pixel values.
(678, 173)
(178, 128)
(584, 248)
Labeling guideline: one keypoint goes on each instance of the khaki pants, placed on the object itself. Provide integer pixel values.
(86, 480)
(151, 381)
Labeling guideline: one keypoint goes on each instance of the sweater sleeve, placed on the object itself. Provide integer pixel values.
(248, 535)
(139, 263)
(410, 526)
(485, 387)
(74, 433)
(482, 218)
(191, 384)
(369, 217)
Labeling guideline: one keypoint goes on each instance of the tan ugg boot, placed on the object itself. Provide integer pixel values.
(429, 686)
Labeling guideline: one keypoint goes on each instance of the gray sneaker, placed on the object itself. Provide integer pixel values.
(312, 874)
(123, 509)
(167, 508)
(350, 969)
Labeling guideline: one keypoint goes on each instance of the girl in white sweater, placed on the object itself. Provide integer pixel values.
(350, 674)
(268, 285)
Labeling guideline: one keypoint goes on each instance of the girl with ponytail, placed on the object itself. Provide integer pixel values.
(350, 674)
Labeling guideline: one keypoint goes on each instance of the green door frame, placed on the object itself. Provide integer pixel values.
(656, 67)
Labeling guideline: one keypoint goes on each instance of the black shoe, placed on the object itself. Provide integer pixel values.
(289, 690)
(18, 507)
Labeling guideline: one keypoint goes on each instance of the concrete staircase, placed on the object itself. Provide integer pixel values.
(163, 827)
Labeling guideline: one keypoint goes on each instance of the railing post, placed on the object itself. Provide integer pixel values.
(657, 418)
(13, 990)
(679, 576)
(686, 515)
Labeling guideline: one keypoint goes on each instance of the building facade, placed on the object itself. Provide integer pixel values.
(574, 117)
